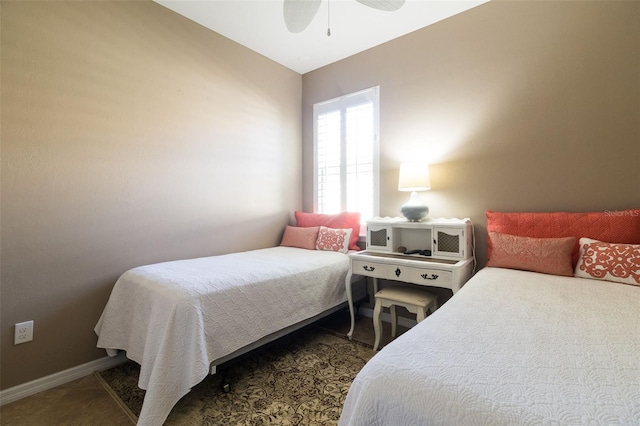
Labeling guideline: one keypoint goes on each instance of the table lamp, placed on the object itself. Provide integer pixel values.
(414, 177)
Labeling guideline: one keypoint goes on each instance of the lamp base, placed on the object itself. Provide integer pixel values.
(414, 209)
(414, 213)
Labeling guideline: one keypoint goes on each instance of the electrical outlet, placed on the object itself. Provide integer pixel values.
(24, 332)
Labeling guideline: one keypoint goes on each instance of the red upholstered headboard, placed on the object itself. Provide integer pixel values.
(622, 226)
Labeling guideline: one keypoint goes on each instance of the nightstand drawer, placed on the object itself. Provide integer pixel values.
(431, 277)
(398, 273)
(370, 269)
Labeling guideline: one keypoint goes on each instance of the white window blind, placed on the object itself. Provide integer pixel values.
(346, 154)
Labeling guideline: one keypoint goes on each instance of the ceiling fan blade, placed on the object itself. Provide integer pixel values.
(298, 14)
(388, 5)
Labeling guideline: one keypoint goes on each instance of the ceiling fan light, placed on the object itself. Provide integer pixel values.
(387, 5)
(298, 14)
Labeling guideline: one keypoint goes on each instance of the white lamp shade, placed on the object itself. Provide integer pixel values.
(414, 176)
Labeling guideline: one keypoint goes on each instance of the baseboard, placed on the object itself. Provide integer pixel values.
(30, 388)
(405, 322)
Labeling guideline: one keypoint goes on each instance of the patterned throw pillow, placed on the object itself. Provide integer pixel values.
(300, 237)
(545, 255)
(333, 239)
(336, 221)
(610, 262)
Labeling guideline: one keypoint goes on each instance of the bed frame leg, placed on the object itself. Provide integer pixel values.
(225, 386)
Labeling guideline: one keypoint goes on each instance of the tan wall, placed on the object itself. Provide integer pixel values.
(130, 135)
(519, 106)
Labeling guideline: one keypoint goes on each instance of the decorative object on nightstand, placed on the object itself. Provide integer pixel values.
(414, 177)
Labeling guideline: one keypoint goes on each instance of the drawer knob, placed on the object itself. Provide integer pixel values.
(369, 268)
(398, 272)
(427, 277)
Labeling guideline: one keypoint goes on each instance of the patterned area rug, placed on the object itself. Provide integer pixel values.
(303, 379)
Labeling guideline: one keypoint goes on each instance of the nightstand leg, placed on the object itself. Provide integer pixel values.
(347, 284)
(377, 323)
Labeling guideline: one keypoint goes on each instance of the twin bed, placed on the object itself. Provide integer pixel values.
(516, 347)
(511, 348)
(528, 346)
(180, 320)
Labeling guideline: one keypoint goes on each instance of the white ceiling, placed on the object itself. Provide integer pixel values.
(259, 25)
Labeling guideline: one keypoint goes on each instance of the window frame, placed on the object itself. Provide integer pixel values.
(341, 104)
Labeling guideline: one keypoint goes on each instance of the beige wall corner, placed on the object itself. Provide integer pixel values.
(130, 135)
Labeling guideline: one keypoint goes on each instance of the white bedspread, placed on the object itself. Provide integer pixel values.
(176, 318)
(511, 348)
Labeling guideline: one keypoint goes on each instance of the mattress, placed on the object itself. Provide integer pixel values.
(177, 318)
(511, 347)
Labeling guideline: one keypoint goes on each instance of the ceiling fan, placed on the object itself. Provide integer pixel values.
(298, 14)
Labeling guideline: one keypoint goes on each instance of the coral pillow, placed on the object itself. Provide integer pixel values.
(620, 226)
(545, 255)
(300, 237)
(610, 262)
(333, 239)
(336, 221)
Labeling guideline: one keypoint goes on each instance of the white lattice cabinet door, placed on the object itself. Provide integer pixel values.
(449, 242)
(380, 238)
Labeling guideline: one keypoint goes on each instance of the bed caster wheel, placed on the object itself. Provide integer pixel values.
(225, 387)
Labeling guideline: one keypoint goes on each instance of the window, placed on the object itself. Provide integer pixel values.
(345, 136)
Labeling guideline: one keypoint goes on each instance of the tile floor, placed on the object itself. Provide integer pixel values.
(84, 402)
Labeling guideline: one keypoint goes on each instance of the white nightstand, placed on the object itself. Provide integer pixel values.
(444, 255)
